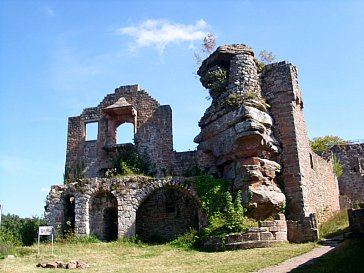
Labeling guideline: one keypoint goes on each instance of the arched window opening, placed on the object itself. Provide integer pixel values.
(125, 133)
(69, 215)
(92, 129)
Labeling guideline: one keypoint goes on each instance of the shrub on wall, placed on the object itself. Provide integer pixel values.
(225, 215)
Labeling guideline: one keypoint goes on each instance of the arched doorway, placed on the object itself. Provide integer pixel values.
(165, 214)
(68, 214)
(103, 214)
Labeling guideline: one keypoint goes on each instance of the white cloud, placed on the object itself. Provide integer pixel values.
(49, 12)
(159, 33)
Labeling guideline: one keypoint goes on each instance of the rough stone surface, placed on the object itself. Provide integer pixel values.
(253, 134)
(268, 233)
(129, 196)
(351, 182)
(152, 134)
(238, 138)
(356, 221)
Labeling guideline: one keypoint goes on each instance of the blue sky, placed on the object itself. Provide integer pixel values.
(58, 57)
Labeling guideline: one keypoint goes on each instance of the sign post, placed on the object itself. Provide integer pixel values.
(46, 231)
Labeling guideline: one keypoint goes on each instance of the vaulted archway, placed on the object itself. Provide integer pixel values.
(103, 215)
(166, 213)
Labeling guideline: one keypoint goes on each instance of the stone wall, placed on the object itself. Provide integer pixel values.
(94, 197)
(165, 214)
(309, 182)
(356, 221)
(351, 182)
(268, 233)
(323, 194)
(152, 134)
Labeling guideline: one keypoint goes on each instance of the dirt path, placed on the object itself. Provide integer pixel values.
(307, 258)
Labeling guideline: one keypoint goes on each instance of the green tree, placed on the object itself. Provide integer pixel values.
(325, 143)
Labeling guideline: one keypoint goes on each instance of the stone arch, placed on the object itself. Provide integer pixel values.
(166, 211)
(103, 215)
(125, 133)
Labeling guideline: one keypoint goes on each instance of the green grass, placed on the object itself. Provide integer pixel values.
(347, 258)
(124, 256)
(334, 226)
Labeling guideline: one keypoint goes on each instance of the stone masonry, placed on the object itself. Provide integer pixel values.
(351, 182)
(253, 134)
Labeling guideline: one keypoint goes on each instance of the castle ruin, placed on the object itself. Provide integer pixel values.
(253, 134)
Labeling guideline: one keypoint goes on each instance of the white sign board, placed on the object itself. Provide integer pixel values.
(45, 230)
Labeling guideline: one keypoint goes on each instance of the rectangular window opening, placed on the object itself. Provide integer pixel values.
(92, 129)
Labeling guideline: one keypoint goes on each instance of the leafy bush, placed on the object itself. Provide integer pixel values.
(212, 193)
(8, 243)
(217, 78)
(186, 241)
(23, 229)
(338, 168)
(231, 220)
(129, 162)
(325, 143)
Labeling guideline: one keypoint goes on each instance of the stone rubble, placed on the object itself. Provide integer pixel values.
(59, 264)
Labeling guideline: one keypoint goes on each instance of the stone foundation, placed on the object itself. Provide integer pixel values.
(267, 234)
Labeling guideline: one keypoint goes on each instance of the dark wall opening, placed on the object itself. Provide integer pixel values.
(165, 214)
(69, 215)
(103, 216)
(111, 224)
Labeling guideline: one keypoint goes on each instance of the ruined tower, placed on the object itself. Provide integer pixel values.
(254, 133)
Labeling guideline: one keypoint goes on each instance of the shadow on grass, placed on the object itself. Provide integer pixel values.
(346, 258)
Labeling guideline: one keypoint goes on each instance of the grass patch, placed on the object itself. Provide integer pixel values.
(346, 258)
(337, 224)
(127, 256)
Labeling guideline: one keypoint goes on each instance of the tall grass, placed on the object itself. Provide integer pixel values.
(337, 224)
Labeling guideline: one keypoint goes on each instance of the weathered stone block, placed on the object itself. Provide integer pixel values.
(266, 236)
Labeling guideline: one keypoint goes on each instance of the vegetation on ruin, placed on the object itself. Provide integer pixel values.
(338, 168)
(207, 47)
(133, 256)
(335, 225)
(222, 208)
(130, 162)
(75, 174)
(216, 79)
(235, 100)
(265, 58)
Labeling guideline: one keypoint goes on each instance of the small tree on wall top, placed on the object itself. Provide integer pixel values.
(207, 47)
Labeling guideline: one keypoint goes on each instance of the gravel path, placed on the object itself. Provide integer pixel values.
(307, 258)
